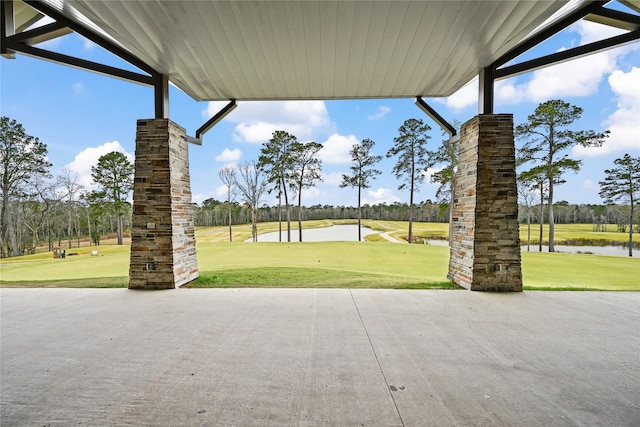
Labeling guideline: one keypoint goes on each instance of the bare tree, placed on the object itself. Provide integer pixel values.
(228, 177)
(72, 189)
(526, 191)
(39, 206)
(252, 185)
(22, 159)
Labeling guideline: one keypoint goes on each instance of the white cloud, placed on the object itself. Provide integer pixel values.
(220, 192)
(464, 97)
(88, 157)
(382, 111)
(381, 195)
(229, 156)
(578, 77)
(336, 148)
(198, 198)
(429, 173)
(78, 88)
(309, 195)
(333, 178)
(589, 185)
(506, 92)
(624, 123)
(256, 121)
(592, 32)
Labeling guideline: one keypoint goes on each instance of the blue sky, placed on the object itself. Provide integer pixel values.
(81, 115)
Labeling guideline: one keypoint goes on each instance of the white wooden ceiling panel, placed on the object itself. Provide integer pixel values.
(252, 50)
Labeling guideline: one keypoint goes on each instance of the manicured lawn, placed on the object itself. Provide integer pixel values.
(557, 271)
(318, 264)
(576, 234)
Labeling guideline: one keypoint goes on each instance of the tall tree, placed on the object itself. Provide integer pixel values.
(228, 177)
(307, 168)
(529, 183)
(622, 183)
(275, 159)
(23, 158)
(72, 189)
(546, 137)
(413, 159)
(447, 154)
(96, 213)
(363, 172)
(527, 194)
(40, 206)
(252, 185)
(114, 174)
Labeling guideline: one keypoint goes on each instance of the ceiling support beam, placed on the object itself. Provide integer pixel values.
(94, 37)
(549, 32)
(23, 41)
(71, 61)
(446, 126)
(630, 5)
(212, 122)
(615, 18)
(7, 27)
(40, 34)
(161, 95)
(595, 12)
(486, 86)
(566, 55)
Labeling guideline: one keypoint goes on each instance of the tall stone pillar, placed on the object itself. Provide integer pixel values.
(163, 246)
(485, 248)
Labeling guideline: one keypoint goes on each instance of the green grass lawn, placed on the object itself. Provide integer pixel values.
(558, 271)
(317, 264)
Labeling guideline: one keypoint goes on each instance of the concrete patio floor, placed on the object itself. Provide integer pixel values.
(306, 357)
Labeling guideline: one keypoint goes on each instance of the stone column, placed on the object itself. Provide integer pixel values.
(485, 248)
(163, 246)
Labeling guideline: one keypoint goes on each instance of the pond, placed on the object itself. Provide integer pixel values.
(595, 250)
(335, 233)
(349, 233)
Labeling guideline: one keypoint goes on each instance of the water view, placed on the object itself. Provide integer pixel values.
(349, 233)
(335, 233)
(595, 250)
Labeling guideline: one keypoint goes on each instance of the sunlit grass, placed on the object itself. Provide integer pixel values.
(318, 264)
(287, 277)
(576, 234)
(559, 270)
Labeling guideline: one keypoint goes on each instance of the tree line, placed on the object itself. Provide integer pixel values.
(287, 167)
(614, 217)
(39, 207)
(36, 206)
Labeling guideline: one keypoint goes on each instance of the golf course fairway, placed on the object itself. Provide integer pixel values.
(319, 264)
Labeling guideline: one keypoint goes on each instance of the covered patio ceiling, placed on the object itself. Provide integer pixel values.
(268, 50)
(282, 50)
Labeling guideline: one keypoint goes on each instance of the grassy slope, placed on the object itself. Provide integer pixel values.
(317, 264)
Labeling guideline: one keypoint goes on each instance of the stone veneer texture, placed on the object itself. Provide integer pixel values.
(163, 250)
(485, 248)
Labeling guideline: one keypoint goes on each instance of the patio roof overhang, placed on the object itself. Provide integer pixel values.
(279, 50)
